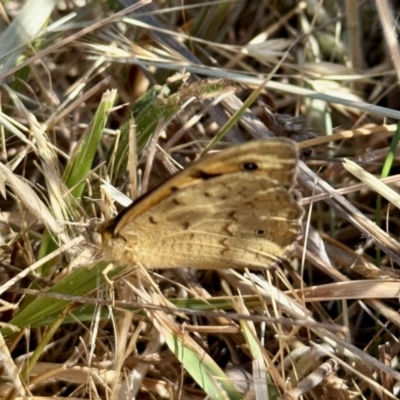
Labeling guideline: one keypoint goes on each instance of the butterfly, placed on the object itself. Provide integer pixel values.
(235, 208)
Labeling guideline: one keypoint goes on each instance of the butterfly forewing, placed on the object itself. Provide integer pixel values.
(274, 158)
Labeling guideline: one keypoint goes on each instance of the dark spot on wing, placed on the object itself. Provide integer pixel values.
(152, 220)
(232, 215)
(185, 225)
(177, 202)
(225, 246)
(199, 174)
(249, 166)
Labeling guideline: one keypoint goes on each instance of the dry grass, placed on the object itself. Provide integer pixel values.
(323, 325)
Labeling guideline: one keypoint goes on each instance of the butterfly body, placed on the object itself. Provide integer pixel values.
(233, 209)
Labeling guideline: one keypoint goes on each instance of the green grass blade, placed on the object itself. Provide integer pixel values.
(81, 162)
(201, 367)
(79, 283)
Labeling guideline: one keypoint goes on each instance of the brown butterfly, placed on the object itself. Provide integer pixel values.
(232, 209)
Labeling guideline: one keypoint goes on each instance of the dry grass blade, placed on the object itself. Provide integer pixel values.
(23, 30)
(351, 213)
(373, 182)
(29, 199)
(372, 289)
